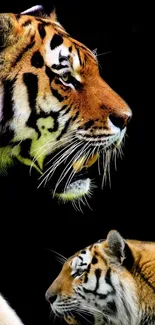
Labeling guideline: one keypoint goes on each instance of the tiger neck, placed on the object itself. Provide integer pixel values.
(144, 275)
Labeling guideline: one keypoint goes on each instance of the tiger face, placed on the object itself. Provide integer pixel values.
(96, 282)
(112, 280)
(57, 114)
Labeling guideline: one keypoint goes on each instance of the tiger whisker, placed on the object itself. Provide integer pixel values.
(65, 171)
(60, 160)
(84, 318)
(58, 157)
(60, 255)
(81, 154)
(50, 171)
(76, 158)
(48, 146)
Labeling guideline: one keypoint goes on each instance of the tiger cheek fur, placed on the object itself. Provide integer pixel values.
(54, 105)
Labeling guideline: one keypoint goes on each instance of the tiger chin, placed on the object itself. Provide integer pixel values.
(57, 115)
(112, 280)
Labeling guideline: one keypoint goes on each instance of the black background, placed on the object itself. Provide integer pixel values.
(31, 222)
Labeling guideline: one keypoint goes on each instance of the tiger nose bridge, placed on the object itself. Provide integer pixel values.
(106, 103)
(52, 291)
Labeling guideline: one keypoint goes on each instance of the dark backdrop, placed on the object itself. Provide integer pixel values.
(31, 222)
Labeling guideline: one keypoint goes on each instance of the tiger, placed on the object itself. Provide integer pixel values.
(57, 115)
(112, 280)
(7, 315)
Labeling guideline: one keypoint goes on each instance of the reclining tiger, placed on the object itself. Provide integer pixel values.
(112, 280)
(57, 114)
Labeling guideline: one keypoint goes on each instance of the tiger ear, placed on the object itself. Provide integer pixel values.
(40, 11)
(53, 15)
(115, 246)
(8, 30)
(118, 250)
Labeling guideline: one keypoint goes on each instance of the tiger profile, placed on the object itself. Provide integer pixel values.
(113, 280)
(57, 115)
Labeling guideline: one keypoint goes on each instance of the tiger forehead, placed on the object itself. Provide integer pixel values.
(83, 258)
(47, 29)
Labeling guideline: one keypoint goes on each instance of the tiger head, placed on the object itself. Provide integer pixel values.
(98, 281)
(57, 114)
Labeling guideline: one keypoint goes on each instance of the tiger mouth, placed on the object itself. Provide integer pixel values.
(76, 183)
(81, 183)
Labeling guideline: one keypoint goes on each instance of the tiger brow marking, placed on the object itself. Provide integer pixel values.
(8, 100)
(78, 52)
(26, 23)
(41, 30)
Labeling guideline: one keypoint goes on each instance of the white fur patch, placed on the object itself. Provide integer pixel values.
(32, 10)
(52, 56)
(7, 314)
(81, 261)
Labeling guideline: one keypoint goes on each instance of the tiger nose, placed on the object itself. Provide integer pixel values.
(50, 297)
(120, 121)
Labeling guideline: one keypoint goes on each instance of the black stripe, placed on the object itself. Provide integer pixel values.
(56, 41)
(88, 268)
(31, 82)
(49, 73)
(100, 296)
(25, 148)
(37, 60)
(144, 278)
(64, 129)
(58, 82)
(86, 278)
(59, 66)
(88, 124)
(70, 49)
(80, 294)
(57, 95)
(67, 111)
(94, 260)
(63, 58)
(28, 47)
(8, 100)
(108, 280)
(54, 115)
(78, 52)
(63, 107)
(26, 23)
(41, 30)
(6, 137)
(98, 275)
(112, 306)
(75, 116)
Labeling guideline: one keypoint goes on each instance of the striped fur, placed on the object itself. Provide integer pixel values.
(113, 280)
(53, 102)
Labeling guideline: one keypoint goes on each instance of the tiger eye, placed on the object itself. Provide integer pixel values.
(66, 77)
